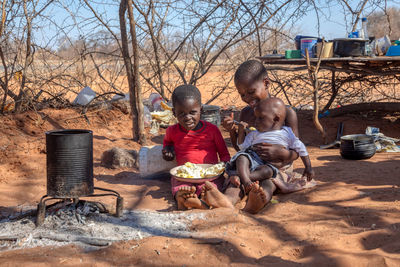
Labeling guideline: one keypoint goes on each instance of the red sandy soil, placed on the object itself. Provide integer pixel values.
(352, 218)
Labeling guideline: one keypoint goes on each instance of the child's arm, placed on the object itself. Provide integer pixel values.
(241, 133)
(168, 151)
(291, 120)
(246, 115)
(247, 138)
(308, 171)
(230, 126)
(300, 148)
(276, 154)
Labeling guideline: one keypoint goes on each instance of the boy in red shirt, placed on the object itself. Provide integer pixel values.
(196, 141)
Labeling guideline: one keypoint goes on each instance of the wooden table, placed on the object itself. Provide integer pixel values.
(360, 65)
(366, 66)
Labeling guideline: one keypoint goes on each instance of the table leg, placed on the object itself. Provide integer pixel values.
(313, 74)
(334, 92)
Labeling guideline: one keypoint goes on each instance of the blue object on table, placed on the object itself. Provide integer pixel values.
(393, 50)
(325, 114)
(308, 43)
(298, 38)
(354, 35)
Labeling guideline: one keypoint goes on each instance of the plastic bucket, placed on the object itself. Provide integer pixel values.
(151, 161)
(211, 114)
(326, 52)
(298, 38)
(309, 44)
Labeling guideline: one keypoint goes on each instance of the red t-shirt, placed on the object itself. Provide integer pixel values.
(201, 146)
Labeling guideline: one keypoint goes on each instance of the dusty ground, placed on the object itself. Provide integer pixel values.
(352, 218)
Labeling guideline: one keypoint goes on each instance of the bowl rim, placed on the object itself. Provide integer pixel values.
(195, 180)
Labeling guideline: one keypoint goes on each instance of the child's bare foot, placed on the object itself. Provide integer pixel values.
(182, 195)
(293, 187)
(214, 198)
(192, 201)
(235, 180)
(257, 199)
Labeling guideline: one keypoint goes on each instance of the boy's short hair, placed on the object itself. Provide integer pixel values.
(186, 91)
(250, 71)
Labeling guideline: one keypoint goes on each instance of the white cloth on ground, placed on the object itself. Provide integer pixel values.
(284, 137)
(383, 143)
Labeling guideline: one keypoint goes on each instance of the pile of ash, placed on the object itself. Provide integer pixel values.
(88, 224)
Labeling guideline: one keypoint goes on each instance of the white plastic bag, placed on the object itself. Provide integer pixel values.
(147, 116)
(155, 100)
(120, 97)
(85, 96)
(151, 161)
(382, 45)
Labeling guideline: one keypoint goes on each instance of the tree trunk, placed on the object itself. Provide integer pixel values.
(135, 98)
(136, 78)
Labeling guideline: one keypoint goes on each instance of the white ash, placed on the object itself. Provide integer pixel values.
(85, 225)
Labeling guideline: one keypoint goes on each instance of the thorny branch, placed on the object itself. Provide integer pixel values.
(210, 41)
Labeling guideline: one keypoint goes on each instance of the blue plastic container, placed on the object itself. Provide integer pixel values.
(309, 44)
(298, 38)
(393, 50)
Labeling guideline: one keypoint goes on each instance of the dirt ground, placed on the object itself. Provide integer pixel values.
(352, 218)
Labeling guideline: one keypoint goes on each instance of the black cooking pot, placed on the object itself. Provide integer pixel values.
(349, 47)
(69, 163)
(357, 146)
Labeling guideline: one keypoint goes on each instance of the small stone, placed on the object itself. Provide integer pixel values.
(373, 226)
(158, 252)
(242, 245)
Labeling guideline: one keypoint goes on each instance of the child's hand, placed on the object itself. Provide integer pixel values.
(228, 123)
(168, 153)
(243, 125)
(271, 152)
(235, 180)
(309, 173)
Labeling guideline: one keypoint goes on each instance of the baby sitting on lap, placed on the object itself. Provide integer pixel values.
(246, 167)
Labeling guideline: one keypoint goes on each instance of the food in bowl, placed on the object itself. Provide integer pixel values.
(192, 170)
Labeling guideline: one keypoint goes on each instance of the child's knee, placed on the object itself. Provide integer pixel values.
(242, 160)
(266, 172)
